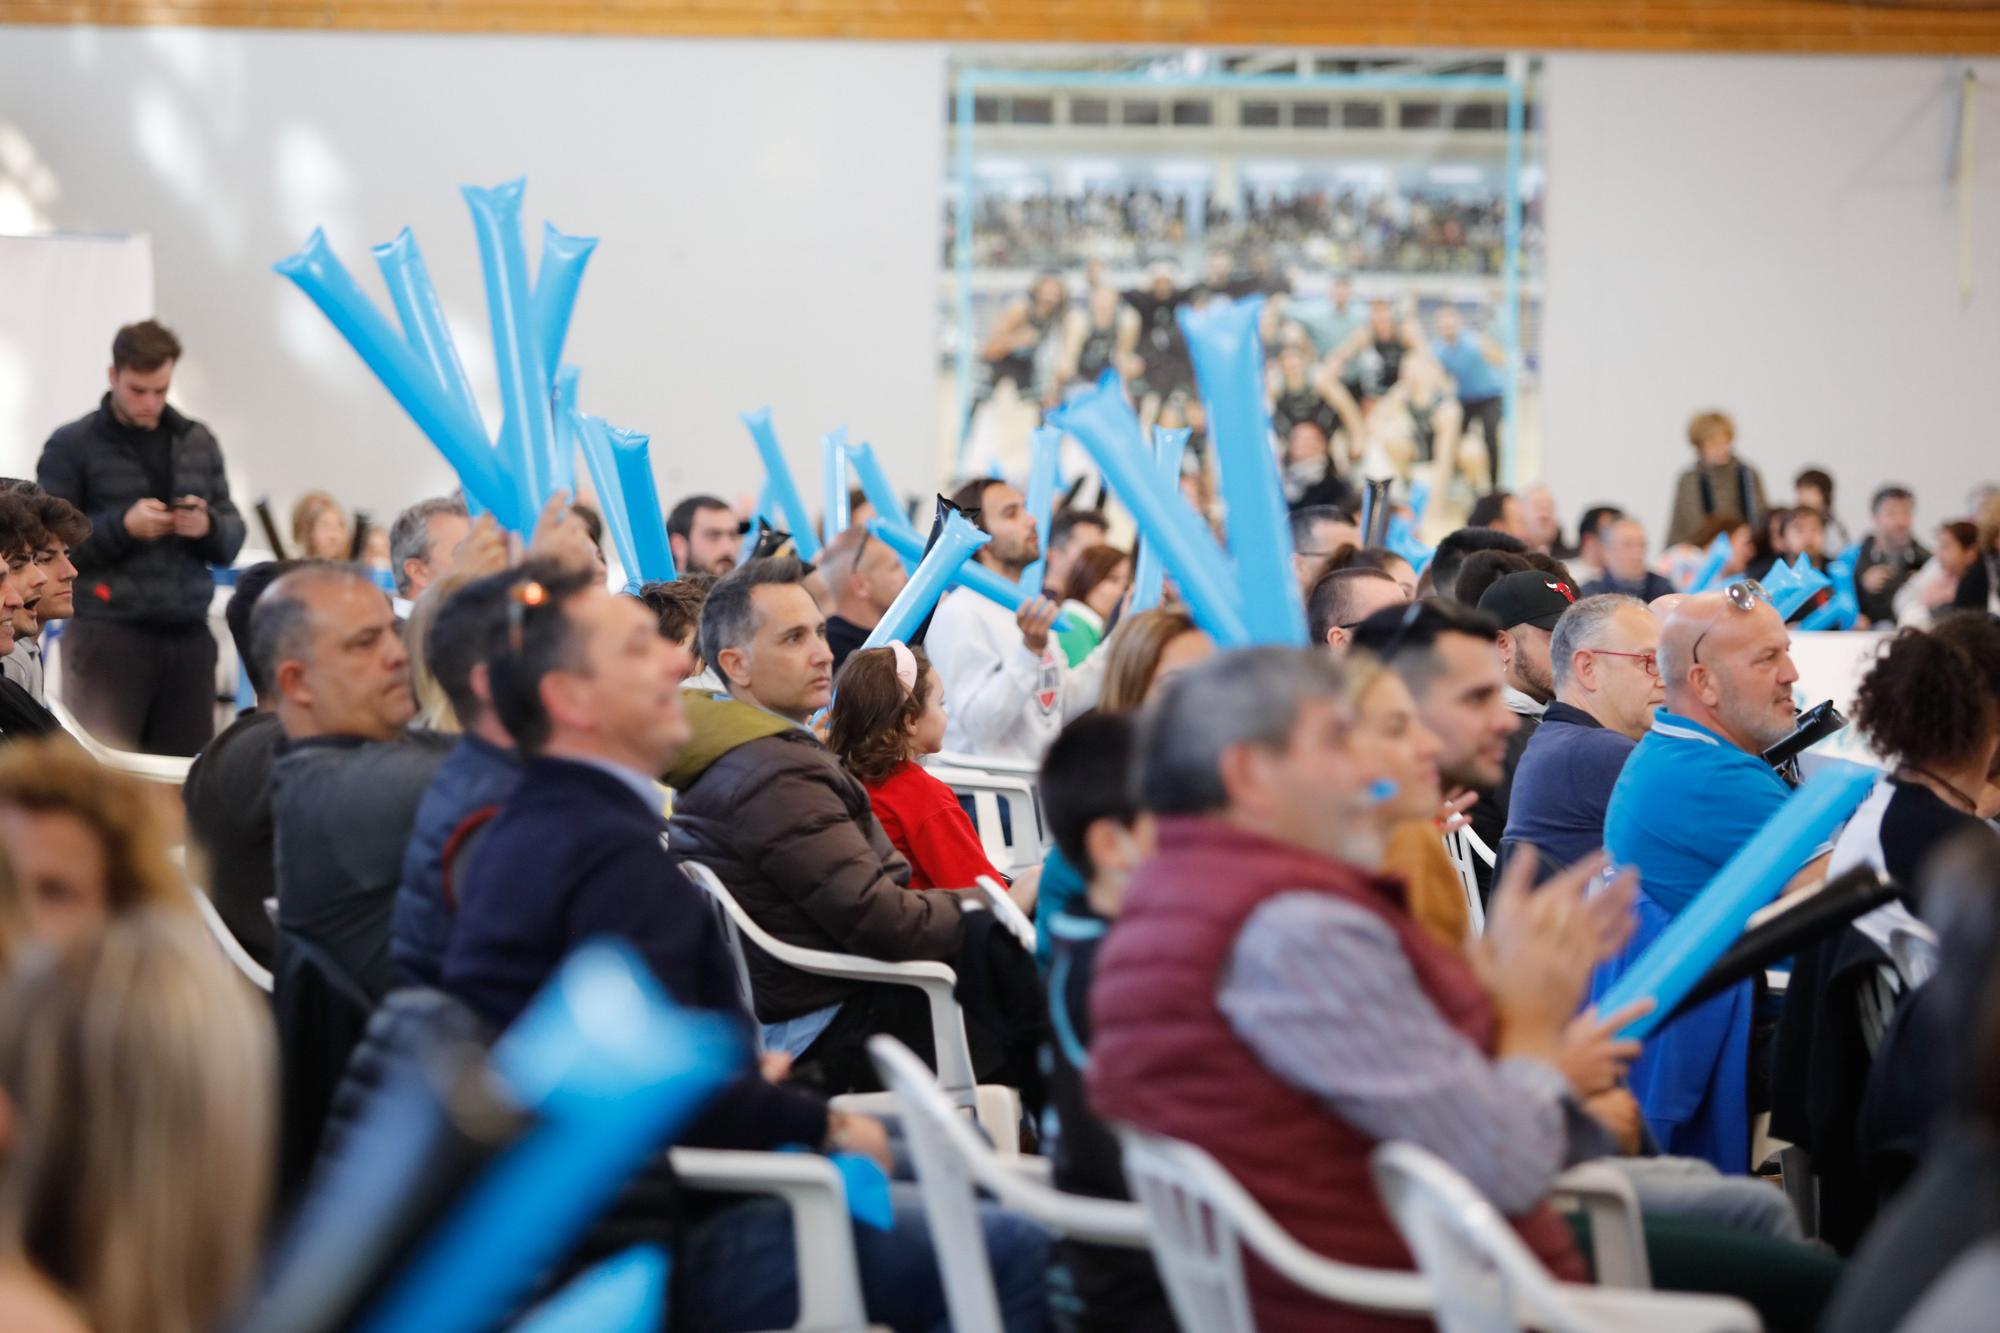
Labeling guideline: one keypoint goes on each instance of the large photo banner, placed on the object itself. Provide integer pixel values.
(1387, 213)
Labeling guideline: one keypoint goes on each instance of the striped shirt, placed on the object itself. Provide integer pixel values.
(1321, 990)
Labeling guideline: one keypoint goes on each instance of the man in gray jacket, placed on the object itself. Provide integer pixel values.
(139, 661)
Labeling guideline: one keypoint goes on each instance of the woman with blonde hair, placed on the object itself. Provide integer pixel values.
(79, 843)
(138, 1127)
(1144, 652)
(319, 528)
(434, 710)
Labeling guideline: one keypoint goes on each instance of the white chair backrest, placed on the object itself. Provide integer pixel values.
(237, 955)
(169, 769)
(1486, 1279)
(953, 1162)
(1481, 1271)
(1012, 842)
(945, 1178)
(1010, 914)
(1462, 845)
(705, 880)
(1201, 1220)
(935, 980)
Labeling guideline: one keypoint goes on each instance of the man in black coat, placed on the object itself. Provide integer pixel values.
(139, 662)
(592, 694)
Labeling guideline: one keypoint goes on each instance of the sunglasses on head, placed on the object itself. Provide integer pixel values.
(1742, 595)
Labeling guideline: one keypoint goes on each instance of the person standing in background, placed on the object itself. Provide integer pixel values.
(1718, 483)
(139, 663)
(1476, 364)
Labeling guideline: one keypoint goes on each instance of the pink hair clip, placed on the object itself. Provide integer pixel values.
(906, 664)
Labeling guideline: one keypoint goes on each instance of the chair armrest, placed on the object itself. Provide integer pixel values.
(1617, 1236)
(829, 1279)
(1010, 913)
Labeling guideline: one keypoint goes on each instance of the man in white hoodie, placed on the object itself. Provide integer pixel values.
(1006, 687)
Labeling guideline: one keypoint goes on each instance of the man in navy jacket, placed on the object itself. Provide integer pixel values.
(590, 692)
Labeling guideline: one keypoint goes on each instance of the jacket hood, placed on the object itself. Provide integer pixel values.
(719, 724)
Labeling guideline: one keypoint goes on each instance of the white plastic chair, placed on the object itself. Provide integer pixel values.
(1010, 913)
(998, 1109)
(1201, 1220)
(952, 1163)
(822, 1237)
(989, 791)
(1617, 1228)
(166, 768)
(225, 938)
(1462, 845)
(237, 955)
(1485, 1278)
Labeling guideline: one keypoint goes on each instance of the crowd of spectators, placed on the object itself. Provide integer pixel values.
(1256, 927)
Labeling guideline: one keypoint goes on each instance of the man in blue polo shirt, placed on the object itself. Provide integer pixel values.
(1604, 660)
(1693, 792)
(1474, 361)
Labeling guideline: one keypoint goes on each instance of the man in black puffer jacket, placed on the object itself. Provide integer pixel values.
(138, 661)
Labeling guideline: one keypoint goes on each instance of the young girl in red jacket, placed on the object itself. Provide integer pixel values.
(888, 711)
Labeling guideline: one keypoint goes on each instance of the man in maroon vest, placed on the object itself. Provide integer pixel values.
(1268, 997)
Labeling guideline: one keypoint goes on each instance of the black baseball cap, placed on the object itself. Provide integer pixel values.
(1528, 597)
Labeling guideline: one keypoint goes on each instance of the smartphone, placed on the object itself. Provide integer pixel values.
(186, 504)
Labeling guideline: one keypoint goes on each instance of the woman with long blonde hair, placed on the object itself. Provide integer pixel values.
(1144, 652)
(138, 1131)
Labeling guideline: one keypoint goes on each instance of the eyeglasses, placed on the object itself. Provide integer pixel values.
(1649, 662)
(1742, 595)
(521, 599)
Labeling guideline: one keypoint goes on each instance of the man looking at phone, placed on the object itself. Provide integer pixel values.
(139, 661)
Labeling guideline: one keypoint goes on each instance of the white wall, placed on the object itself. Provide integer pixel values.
(1776, 237)
(768, 214)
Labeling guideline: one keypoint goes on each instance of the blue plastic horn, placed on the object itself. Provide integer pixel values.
(934, 573)
(1801, 585)
(1102, 420)
(631, 451)
(557, 277)
(875, 485)
(783, 490)
(973, 575)
(1707, 926)
(602, 462)
(833, 480)
(424, 325)
(526, 435)
(562, 463)
(1149, 576)
(319, 273)
(627, 1293)
(1044, 480)
(1229, 365)
(1711, 567)
(613, 1071)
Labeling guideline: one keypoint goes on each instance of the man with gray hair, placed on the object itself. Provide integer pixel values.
(348, 777)
(421, 542)
(1604, 659)
(1267, 996)
(766, 806)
